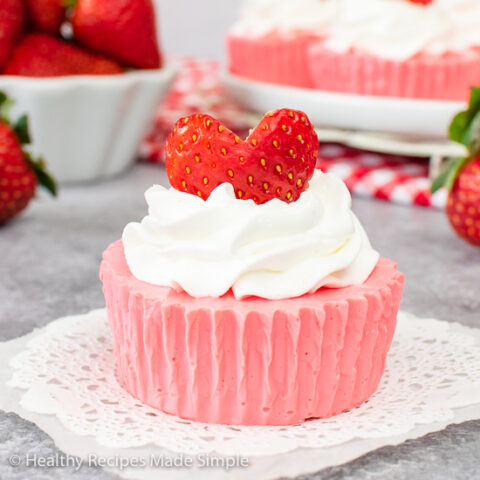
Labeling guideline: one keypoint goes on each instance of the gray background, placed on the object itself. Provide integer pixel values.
(196, 27)
(49, 268)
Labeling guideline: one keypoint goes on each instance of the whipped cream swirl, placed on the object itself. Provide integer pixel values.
(393, 29)
(261, 17)
(275, 250)
(398, 29)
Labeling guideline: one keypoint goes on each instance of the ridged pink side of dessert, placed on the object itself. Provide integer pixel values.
(447, 77)
(271, 59)
(250, 362)
(303, 61)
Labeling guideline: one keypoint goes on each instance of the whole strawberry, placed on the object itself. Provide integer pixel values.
(122, 29)
(45, 15)
(19, 173)
(276, 160)
(462, 175)
(11, 26)
(40, 55)
(463, 204)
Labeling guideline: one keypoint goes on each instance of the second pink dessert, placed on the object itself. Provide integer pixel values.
(445, 77)
(426, 49)
(272, 58)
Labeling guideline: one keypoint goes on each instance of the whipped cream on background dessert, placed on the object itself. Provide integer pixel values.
(260, 17)
(275, 250)
(399, 29)
(395, 29)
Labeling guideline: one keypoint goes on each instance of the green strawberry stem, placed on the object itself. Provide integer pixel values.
(43, 177)
(21, 129)
(69, 3)
(449, 174)
(464, 129)
(22, 132)
(5, 106)
(465, 126)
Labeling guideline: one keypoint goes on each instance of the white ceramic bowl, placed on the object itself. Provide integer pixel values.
(88, 127)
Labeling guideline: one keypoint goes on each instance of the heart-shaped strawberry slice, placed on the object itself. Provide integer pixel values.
(275, 161)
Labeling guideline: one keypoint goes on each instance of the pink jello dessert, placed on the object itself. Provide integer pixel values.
(272, 58)
(255, 361)
(446, 77)
(394, 48)
(271, 40)
(224, 310)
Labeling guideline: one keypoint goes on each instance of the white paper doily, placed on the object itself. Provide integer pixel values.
(68, 370)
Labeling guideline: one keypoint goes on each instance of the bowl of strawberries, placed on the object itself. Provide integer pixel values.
(89, 73)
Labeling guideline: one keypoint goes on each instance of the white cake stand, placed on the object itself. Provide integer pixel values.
(409, 127)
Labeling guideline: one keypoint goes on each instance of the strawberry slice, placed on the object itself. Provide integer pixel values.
(275, 161)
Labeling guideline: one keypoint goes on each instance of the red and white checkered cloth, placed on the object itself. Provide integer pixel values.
(388, 177)
(198, 89)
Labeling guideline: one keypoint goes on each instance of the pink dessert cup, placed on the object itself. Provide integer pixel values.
(304, 61)
(271, 58)
(254, 361)
(447, 77)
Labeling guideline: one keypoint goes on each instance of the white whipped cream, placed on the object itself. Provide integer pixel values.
(398, 29)
(260, 17)
(395, 29)
(274, 250)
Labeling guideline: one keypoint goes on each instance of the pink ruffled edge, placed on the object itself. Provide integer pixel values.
(303, 61)
(448, 77)
(251, 362)
(271, 59)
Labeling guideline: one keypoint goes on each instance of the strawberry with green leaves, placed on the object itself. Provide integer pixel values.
(276, 160)
(462, 175)
(19, 172)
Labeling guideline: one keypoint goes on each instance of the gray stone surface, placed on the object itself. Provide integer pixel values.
(447, 455)
(49, 268)
(19, 437)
